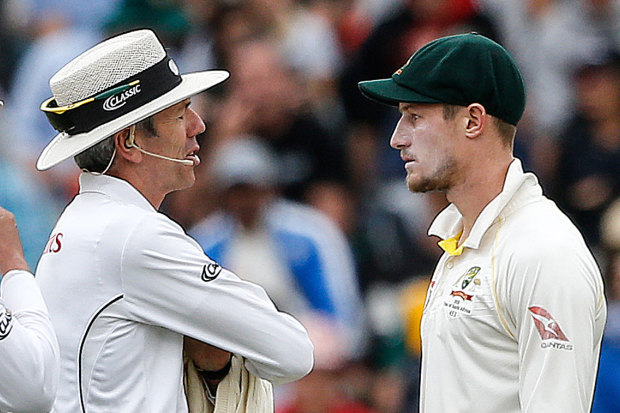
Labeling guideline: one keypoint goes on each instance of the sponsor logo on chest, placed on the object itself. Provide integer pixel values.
(460, 300)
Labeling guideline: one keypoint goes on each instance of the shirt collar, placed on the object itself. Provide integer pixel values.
(115, 188)
(448, 225)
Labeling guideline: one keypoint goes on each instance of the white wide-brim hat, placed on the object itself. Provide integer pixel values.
(111, 86)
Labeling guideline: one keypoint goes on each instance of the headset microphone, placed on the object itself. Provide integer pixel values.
(129, 143)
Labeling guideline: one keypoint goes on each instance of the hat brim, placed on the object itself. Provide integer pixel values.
(65, 146)
(388, 92)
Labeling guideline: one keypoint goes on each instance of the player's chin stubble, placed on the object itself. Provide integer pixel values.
(441, 180)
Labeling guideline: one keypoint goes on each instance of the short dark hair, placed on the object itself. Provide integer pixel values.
(97, 157)
(505, 129)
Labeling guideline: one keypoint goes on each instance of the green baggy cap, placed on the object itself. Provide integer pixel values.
(457, 70)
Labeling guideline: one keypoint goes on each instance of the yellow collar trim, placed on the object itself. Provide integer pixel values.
(450, 245)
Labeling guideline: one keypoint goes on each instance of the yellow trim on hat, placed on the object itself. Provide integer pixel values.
(451, 245)
(62, 109)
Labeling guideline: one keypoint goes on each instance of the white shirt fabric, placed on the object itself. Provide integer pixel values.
(28, 347)
(514, 323)
(124, 287)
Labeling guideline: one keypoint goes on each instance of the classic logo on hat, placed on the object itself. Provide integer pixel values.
(117, 101)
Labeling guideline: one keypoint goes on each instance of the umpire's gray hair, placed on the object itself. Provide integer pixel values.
(97, 158)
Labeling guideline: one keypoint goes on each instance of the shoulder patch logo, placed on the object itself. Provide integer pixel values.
(549, 329)
(210, 271)
(6, 322)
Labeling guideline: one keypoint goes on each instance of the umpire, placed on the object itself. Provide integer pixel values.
(124, 283)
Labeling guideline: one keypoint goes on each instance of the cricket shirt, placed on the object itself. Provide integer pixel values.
(514, 317)
(28, 346)
(124, 284)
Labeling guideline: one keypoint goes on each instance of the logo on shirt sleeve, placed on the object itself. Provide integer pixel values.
(6, 322)
(549, 329)
(210, 271)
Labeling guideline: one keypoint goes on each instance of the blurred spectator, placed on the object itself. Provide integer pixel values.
(337, 202)
(391, 240)
(13, 39)
(293, 251)
(166, 17)
(265, 98)
(33, 206)
(198, 50)
(85, 15)
(324, 390)
(412, 305)
(550, 39)
(56, 44)
(608, 382)
(59, 35)
(34, 209)
(588, 176)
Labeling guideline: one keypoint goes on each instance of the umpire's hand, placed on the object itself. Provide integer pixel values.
(11, 251)
(205, 356)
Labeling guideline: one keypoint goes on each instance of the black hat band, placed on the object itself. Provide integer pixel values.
(115, 101)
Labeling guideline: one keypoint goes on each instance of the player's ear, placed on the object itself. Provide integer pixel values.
(476, 119)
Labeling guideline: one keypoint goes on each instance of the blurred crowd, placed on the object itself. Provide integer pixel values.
(298, 189)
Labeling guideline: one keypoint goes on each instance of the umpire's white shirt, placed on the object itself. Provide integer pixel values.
(124, 283)
(514, 323)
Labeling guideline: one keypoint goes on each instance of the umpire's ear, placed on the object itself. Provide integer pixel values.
(475, 120)
(123, 141)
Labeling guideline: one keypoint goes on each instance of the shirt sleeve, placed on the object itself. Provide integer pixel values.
(553, 301)
(169, 281)
(29, 355)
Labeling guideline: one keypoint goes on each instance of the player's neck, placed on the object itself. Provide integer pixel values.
(483, 184)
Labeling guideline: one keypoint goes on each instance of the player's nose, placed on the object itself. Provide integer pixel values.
(399, 139)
